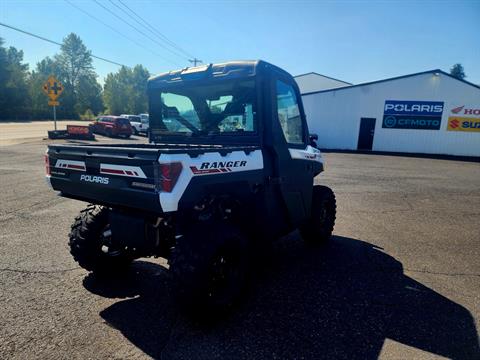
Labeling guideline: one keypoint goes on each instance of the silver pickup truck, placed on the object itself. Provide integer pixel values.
(140, 123)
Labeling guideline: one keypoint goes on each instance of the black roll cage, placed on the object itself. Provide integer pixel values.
(264, 76)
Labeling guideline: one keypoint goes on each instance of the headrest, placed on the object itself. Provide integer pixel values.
(170, 111)
(234, 107)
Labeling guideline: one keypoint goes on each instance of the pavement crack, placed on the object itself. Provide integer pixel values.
(22, 271)
(441, 273)
(43, 202)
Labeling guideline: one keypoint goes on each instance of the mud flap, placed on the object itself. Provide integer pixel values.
(129, 231)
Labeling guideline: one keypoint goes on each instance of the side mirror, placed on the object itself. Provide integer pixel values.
(313, 140)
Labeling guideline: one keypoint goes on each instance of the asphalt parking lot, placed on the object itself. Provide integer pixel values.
(400, 279)
(27, 131)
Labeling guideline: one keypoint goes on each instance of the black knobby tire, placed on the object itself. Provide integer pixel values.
(319, 227)
(210, 266)
(87, 242)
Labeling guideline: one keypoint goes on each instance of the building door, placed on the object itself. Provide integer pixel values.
(365, 136)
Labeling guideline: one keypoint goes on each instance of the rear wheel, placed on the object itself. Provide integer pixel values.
(91, 245)
(108, 132)
(210, 266)
(319, 227)
(135, 132)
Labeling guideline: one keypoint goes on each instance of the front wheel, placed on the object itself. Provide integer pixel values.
(90, 242)
(319, 227)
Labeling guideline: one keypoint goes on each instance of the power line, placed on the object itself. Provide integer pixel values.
(132, 26)
(114, 30)
(56, 43)
(174, 52)
(154, 30)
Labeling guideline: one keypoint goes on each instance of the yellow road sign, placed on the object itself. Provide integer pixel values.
(53, 88)
(53, 103)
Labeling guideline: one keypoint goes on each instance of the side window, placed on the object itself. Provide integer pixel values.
(289, 113)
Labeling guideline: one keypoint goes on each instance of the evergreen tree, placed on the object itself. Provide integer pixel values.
(125, 92)
(458, 72)
(75, 70)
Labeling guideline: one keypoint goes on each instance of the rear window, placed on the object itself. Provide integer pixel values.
(134, 118)
(122, 121)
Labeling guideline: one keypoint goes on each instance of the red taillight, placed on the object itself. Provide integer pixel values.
(168, 175)
(47, 165)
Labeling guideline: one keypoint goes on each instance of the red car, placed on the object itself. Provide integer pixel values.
(112, 126)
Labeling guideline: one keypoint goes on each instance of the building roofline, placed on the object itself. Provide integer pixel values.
(328, 77)
(394, 78)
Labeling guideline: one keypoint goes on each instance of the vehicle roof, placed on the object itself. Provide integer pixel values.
(226, 70)
(113, 117)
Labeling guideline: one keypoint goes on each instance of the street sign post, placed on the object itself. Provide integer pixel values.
(53, 88)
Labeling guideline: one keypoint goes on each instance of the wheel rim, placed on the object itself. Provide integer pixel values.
(106, 246)
(223, 272)
(326, 213)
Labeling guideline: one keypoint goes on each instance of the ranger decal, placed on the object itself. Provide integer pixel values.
(217, 167)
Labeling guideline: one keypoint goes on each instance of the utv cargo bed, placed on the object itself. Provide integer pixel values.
(119, 175)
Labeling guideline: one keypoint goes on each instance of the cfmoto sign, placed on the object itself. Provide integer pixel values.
(416, 115)
(390, 121)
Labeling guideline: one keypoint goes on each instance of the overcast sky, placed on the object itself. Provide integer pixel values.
(354, 41)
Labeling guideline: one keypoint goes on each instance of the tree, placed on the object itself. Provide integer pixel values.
(89, 95)
(75, 71)
(139, 99)
(3, 79)
(126, 91)
(13, 84)
(115, 92)
(458, 72)
(38, 99)
(22, 96)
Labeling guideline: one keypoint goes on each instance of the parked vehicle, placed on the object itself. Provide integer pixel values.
(230, 167)
(135, 122)
(145, 126)
(112, 126)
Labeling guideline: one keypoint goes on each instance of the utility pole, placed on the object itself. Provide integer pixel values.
(194, 61)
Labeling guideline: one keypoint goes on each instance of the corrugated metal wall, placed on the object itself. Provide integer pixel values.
(335, 115)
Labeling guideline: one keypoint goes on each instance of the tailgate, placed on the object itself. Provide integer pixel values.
(105, 175)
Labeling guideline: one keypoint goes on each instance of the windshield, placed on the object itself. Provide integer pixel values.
(214, 109)
(122, 121)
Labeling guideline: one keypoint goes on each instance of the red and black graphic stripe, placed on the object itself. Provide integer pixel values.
(197, 171)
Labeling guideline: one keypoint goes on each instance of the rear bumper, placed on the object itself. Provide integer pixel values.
(122, 132)
(118, 196)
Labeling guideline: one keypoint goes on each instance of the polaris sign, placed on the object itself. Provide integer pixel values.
(417, 115)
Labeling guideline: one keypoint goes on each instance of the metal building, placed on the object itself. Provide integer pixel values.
(428, 112)
(313, 81)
